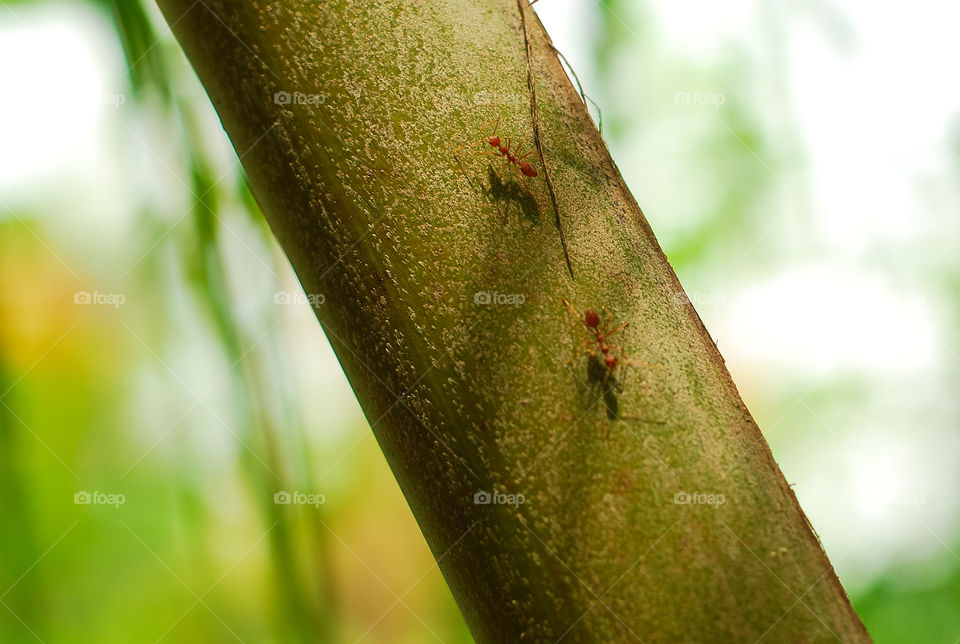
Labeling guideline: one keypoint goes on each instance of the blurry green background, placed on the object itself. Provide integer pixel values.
(162, 376)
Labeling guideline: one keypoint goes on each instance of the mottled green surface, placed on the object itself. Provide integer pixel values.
(376, 215)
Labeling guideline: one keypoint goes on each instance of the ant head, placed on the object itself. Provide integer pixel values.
(494, 141)
(528, 169)
(611, 361)
(591, 318)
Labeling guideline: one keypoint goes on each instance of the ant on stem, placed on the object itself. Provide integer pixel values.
(612, 355)
(504, 149)
(604, 359)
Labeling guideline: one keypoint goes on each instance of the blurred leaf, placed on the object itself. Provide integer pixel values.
(141, 47)
(898, 615)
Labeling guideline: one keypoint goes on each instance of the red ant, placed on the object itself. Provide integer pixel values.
(507, 151)
(612, 354)
(601, 371)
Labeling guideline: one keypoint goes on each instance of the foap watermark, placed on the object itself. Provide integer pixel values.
(697, 298)
(111, 299)
(699, 98)
(482, 497)
(299, 498)
(286, 297)
(299, 98)
(99, 498)
(916, 500)
(486, 97)
(509, 299)
(697, 498)
(116, 100)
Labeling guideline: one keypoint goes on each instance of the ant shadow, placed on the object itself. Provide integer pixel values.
(511, 191)
(603, 384)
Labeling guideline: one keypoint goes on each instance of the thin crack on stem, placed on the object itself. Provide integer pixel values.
(522, 5)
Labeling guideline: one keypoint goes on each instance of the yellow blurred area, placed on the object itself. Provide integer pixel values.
(191, 548)
(37, 301)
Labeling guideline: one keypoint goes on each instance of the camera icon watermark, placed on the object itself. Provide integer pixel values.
(111, 299)
(286, 297)
(509, 299)
(697, 298)
(298, 498)
(299, 98)
(696, 498)
(98, 498)
(482, 497)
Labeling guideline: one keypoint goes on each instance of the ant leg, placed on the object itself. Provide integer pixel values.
(608, 320)
(465, 146)
(497, 173)
(531, 151)
(650, 365)
(456, 159)
(519, 160)
(483, 127)
(622, 383)
(585, 348)
(623, 354)
(523, 178)
(617, 329)
(471, 148)
(607, 387)
(496, 124)
(520, 145)
(528, 153)
(488, 153)
(471, 144)
(624, 363)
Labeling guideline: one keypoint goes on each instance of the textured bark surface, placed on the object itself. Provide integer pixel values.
(363, 193)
